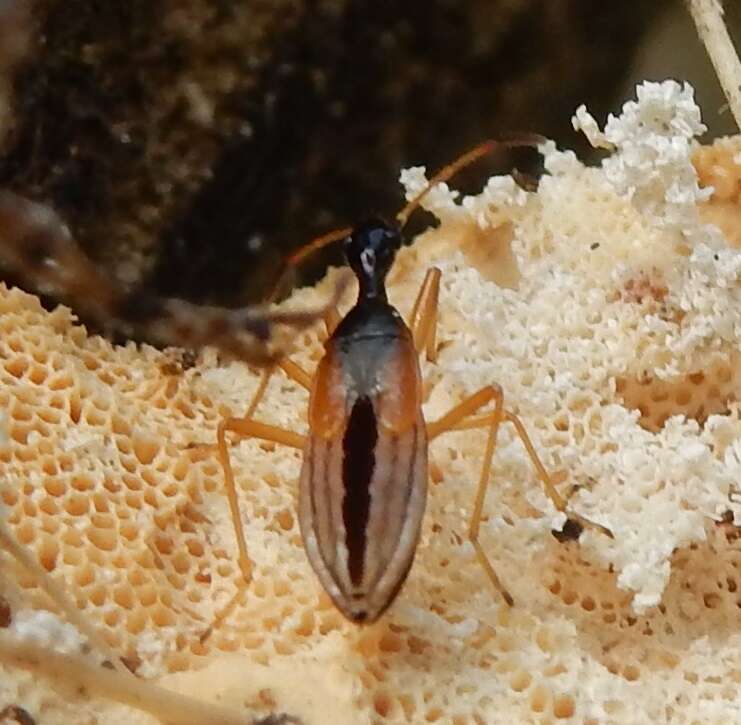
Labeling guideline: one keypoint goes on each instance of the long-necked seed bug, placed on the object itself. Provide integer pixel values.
(363, 483)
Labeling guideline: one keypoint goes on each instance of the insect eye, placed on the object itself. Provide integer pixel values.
(368, 260)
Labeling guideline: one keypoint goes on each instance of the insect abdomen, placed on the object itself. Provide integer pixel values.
(360, 530)
(364, 478)
(358, 464)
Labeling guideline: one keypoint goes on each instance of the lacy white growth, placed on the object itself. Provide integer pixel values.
(652, 139)
(483, 209)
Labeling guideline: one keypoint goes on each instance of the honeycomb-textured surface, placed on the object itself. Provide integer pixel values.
(697, 395)
(615, 339)
(719, 166)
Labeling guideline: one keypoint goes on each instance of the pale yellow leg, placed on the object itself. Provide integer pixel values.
(247, 428)
(423, 318)
(290, 368)
(460, 418)
(262, 386)
(332, 319)
(449, 422)
(244, 428)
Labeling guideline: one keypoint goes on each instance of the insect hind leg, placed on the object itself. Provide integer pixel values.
(462, 417)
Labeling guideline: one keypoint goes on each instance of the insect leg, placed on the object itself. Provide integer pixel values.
(449, 422)
(244, 428)
(290, 368)
(262, 386)
(459, 413)
(331, 319)
(423, 318)
(247, 428)
(546, 479)
(461, 418)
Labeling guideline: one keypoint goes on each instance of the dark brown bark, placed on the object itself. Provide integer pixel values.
(177, 138)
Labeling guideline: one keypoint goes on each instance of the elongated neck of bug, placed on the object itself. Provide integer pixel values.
(372, 286)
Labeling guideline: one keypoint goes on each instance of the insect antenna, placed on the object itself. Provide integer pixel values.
(302, 253)
(531, 140)
(484, 148)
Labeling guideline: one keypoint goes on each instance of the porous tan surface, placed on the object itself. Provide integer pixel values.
(719, 166)
(611, 317)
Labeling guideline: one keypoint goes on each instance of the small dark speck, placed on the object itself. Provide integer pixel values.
(594, 245)
(278, 720)
(189, 359)
(571, 531)
(716, 257)
(6, 616)
(131, 663)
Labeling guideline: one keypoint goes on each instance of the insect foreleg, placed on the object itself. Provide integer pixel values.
(423, 318)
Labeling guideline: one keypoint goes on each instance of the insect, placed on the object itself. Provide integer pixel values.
(363, 481)
(37, 247)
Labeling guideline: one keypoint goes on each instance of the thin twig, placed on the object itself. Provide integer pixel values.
(170, 707)
(708, 17)
(59, 597)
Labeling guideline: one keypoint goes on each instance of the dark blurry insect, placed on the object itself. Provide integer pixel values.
(37, 248)
(571, 531)
(363, 482)
(278, 720)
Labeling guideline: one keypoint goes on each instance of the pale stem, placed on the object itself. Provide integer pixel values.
(708, 17)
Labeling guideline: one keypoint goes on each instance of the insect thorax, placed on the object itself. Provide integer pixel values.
(367, 342)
